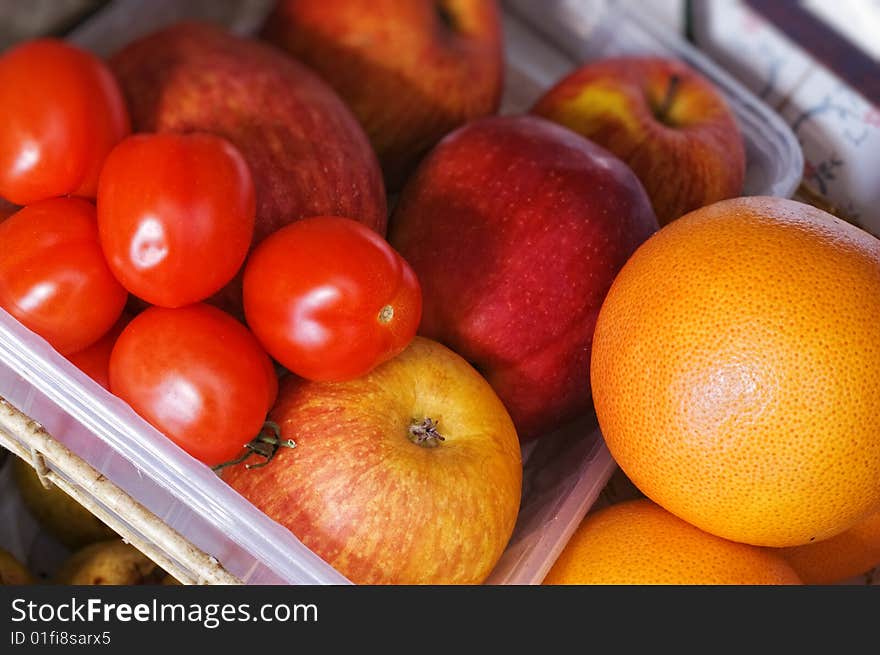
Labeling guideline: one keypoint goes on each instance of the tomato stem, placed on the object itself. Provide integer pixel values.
(264, 445)
(424, 433)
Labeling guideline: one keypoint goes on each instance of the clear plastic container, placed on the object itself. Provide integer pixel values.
(564, 472)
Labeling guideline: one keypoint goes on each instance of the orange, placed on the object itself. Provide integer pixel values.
(840, 558)
(638, 542)
(736, 371)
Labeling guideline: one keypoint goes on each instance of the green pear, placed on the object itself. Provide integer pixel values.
(59, 514)
(111, 562)
(12, 572)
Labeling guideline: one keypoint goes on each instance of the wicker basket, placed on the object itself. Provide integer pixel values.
(56, 465)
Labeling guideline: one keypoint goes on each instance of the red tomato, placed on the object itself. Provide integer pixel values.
(198, 376)
(94, 361)
(176, 215)
(62, 113)
(330, 299)
(53, 276)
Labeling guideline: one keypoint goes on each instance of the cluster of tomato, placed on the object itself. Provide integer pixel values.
(107, 217)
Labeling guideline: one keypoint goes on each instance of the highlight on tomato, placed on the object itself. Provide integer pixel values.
(330, 299)
(63, 112)
(53, 275)
(198, 376)
(175, 215)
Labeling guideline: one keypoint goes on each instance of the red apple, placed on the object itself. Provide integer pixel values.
(307, 154)
(411, 70)
(516, 228)
(669, 123)
(411, 474)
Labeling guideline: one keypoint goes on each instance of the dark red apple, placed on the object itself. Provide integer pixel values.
(516, 228)
(411, 70)
(307, 154)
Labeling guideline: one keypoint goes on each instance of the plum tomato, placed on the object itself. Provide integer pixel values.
(53, 275)
(63, 111)
(176, 215)
(330, 299)
(198, 376)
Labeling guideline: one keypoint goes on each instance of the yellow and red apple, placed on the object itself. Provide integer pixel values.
(411, 70)
(411, 474)
(669, 123)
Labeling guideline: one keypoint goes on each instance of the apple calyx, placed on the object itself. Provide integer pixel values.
(265, 445)
(662, 112)
(424, 433)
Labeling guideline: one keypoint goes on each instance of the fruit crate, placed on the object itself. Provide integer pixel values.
(94, 447)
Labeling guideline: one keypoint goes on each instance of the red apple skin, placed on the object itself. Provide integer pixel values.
(372, 503)
(688, 155)
(307, 153)
(411, 70)
(516, 228)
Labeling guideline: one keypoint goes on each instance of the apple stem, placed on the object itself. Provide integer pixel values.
(671, 91)
(447, 20)
(424, 433)
(264, 445)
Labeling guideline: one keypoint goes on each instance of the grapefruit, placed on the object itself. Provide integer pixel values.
(736, 367)
(638, 542)
(845, 556)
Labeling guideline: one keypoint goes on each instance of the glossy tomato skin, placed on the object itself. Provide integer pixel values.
(62, 112)
(53, 275)
(197, 375)
(176, 215)
(330, 299)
